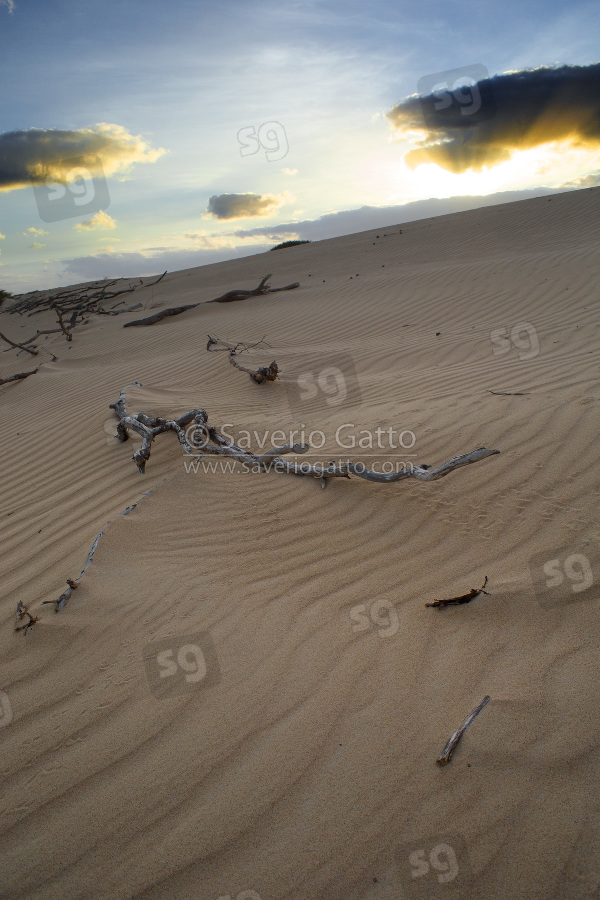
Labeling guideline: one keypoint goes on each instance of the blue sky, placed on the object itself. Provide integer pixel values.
(159, 92)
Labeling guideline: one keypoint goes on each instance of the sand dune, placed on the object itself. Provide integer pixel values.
(303, 763)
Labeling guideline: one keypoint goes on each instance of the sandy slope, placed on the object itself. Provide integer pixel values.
(303, 764)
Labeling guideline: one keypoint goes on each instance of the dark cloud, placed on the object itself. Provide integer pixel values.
(39, 154)
(242, 206)
(469, 127)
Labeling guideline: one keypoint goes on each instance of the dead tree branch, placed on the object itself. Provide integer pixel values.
(229, 297)
(206, 439)
(17, 377)
(20, 346)
(264, 373)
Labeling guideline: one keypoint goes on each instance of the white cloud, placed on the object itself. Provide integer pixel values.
(100, 220)
(34, 231)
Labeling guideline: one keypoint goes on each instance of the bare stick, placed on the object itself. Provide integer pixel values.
(448, 750)
(18, 346)
(507, 394)
(206, 439)
(73, 583)
(17, 377)
(263, 373)
(464, 598)
(172, 311)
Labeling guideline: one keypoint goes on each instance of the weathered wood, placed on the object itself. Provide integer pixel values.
(73, 583)
(163, 314)
(448, 750)
(229, 297)
(263, 373)
(23, 612)
(31, 350)
(464, 598)
(17, 377)
(212, 442)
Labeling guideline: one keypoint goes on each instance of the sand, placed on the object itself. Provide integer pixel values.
(302, 762)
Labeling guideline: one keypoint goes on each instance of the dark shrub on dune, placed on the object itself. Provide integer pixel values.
(289, 244)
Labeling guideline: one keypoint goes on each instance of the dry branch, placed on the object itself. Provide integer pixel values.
(263, 373)
(22, 612)
(229, 297)
(464, 598)
(84, 300)
(17, 377)
(448, 750)
(19, 346)
(73, 583)
(509, 394)
(206, 439)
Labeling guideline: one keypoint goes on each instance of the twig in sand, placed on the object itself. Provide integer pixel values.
(508, 394)
(73, 583)
(22, 611)
(448, 750)
(464, 598)
(263, 373)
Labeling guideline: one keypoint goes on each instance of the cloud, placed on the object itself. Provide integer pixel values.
(290, 171)
(36, 245)
(585, 181)
(484, 124)
(10, 4)
(39, 154)
(245, 206)
(34, 231)
(2, 237)
(100, 221)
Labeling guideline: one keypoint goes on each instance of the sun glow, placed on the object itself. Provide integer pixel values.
(548, 165)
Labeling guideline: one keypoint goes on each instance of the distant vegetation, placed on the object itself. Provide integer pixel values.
(289, 244)
(4, 295)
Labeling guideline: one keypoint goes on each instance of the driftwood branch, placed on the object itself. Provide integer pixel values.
(206, 440)
(73, 583)
(448, 750)
(263, 373)
(17, 377)
(464, 598)
(19, 346)
(229, 297)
